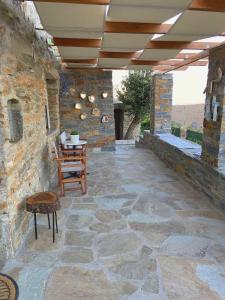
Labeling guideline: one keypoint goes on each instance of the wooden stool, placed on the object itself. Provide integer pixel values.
(44, 203)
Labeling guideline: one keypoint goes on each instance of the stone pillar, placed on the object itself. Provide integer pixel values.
(161, 104)
(213, 146)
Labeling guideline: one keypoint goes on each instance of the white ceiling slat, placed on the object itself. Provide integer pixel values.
(158, 54)
(118, 13)
(199, 23)
(133, 42)
(80, 65)
(136, 67)
(180, 37)
(79, 52)
(113, 62)
(76, 34)
(56, 16)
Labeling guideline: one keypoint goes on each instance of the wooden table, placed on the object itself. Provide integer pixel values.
(79, 143)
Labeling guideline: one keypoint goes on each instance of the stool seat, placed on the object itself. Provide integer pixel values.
(44, 203)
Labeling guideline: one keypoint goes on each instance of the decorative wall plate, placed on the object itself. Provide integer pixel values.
(72, 91)
(83, 116)
(96, 112)
(104, 95)
(78, 106)
(105, 119)
(83, 95)
(91, 98)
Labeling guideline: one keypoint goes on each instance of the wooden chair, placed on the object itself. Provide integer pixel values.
(76, 167)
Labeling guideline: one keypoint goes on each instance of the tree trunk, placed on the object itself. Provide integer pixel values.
(130, 131)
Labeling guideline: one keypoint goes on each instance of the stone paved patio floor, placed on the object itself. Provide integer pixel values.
(141, 233)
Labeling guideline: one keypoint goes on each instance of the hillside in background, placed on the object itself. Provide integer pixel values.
(188, 115)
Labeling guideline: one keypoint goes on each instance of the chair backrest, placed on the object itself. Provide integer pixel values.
(63, 137)
(68, 162)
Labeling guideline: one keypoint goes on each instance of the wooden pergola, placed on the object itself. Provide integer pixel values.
(162, 35)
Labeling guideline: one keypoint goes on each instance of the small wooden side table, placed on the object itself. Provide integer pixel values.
(44, 203)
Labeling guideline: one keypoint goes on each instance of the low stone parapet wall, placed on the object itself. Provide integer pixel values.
(208, 179)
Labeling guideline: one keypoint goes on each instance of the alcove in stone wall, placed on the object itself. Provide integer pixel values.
(15, 120)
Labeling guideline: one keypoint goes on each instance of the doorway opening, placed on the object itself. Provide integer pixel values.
(119, 119)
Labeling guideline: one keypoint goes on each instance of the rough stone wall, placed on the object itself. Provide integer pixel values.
(209, 180)
(92, 82)
(25, 64)
(161, 106)
(213, 146)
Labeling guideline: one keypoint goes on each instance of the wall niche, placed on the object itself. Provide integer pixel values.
(15, 120)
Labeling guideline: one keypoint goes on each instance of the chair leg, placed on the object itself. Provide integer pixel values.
(56, 222)
(53, 227)
(82, 185)
(62, 194)
(49, 224)
(85, 182)
(35, 226)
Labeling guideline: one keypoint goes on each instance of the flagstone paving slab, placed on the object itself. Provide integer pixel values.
(76, 255)
(117, 243)
(141, 233)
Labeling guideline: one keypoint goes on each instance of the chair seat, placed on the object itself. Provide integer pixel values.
(70, 180)
(72, 166)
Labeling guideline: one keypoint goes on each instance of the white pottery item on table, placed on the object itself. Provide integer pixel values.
(75, 138)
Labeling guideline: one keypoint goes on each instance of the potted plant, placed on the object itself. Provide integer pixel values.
(75, 136)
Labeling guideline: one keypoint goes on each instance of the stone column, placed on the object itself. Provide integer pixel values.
(161, 104)
(213, 146)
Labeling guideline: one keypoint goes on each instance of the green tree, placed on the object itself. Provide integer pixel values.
(136, 96)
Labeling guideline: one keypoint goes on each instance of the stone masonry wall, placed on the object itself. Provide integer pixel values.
(25, 64)
(197, 172)
(92, 82)
(213, 146)
(161, 106)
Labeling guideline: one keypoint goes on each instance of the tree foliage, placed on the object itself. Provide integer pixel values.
(136, 96)
(135, 93)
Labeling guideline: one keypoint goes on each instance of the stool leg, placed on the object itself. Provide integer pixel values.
(49, 225)
(35, 226)
(56, 222)
(53, 226)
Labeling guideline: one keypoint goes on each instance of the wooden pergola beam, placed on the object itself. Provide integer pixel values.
(189, 61)
(166, 69)
(71, 42)
(184, 55)
(199, 63)
(141, 28)
(175, 63)
(93, 2)
(144, 62)
(169, 62)
(180, 45)
(81, 61)
(106, 54)
(208, 5)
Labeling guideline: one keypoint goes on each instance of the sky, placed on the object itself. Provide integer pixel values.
(188, 85)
